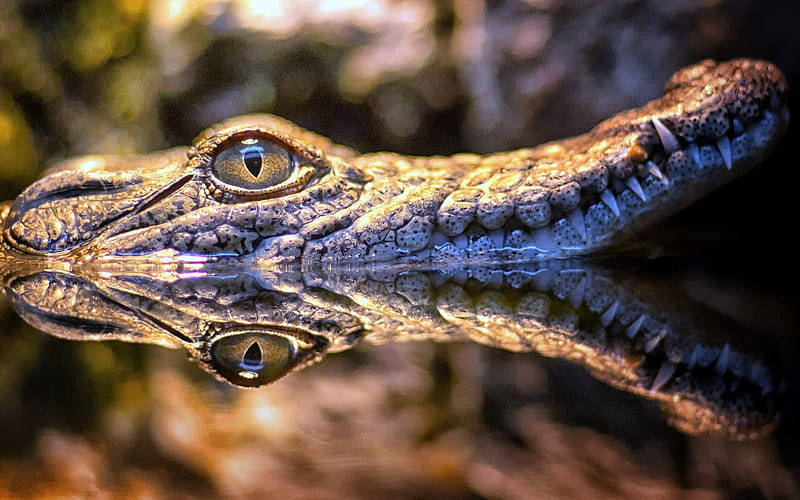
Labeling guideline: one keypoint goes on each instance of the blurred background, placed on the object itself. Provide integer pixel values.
(416, 77)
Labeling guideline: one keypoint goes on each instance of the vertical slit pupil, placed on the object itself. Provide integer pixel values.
(253, 354)
(252, 160)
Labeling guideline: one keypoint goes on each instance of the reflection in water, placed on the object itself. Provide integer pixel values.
(251, 326)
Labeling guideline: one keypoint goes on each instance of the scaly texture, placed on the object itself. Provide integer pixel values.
(570, 197)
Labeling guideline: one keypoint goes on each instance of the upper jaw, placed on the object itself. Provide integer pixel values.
(714, 123)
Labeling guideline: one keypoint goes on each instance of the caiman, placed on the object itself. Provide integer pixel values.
(141, 248)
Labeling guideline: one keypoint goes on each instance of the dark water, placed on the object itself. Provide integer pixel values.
(416, 419)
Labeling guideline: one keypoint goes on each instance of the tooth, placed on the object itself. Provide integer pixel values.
(634, 186)
(724, 146)
(608, 198)
(543, 239)
(722, 361)
(655, 171)
(633, 328)
(738, 128)
(665, 372)
(497, 238)
(461, 241)
(576, 218)
(576, 297)
(653, 343)
(694, 151)
(668, 139)
(543, 279)
(438, 238)
(608, 316)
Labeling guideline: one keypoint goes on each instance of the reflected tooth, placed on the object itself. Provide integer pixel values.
(668, 139)
(722, 361)
(665, 372)
(543, 239)
(576, 219)
(610, 201)
(694, 151)
(543, 279)
(576, 297)
(655, 171)
(608, 316)
(738, 128)
(653, 343)
(724, 146)
(633, 328)
(633, 184)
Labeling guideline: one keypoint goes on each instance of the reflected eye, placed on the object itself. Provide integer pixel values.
(253, 163)
(253, 358)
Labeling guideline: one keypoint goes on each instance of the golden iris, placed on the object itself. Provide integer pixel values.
(253, 358)
(253, 163)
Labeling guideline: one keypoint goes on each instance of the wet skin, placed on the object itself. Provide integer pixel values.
(256, 205)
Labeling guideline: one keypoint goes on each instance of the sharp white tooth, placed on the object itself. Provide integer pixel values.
(655, 171)
(694, 152)
(461, 241)
(543, 239)
(576, 218)
(608, 198)
(722, 361)
(633, 183)
(668, 139)
(633, 328)
(608, 316)
(438, 238)
(665, 372)
(653, 342)
(497, 237)
(724, 146)
(738, 128)
(576, 297)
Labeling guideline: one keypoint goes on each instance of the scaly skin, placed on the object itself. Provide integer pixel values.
(705, 373)
(565, 198)
(157, 248)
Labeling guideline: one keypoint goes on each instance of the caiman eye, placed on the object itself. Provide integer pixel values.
(253, 164)
(253, 358)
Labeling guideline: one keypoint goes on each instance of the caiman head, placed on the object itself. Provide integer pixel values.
(260, 187)
(194, 247)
